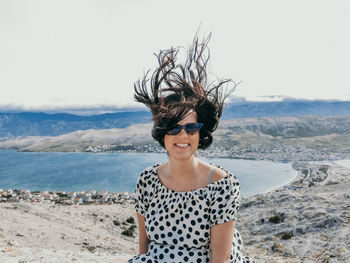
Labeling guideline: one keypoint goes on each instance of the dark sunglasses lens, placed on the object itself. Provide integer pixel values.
(174, 131)
(192, 128)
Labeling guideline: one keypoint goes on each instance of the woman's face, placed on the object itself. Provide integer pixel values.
(182, 146)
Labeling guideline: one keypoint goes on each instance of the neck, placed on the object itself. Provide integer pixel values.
(181, 169)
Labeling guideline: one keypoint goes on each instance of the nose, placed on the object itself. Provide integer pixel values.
(183, 132)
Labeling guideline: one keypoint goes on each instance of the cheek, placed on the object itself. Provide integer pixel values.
(166, 140)
(196, 139)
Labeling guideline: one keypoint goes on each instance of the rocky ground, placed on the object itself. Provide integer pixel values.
(55, 233)
(290, 224)
(310, 224)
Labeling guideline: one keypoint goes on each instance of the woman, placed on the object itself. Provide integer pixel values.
(186, 208)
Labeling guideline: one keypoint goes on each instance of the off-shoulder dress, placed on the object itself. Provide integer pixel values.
(178, 223)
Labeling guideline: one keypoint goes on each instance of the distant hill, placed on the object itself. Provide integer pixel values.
(286, 108)
(272, 138)
(44, 124)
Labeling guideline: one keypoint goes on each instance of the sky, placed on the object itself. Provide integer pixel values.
(88, 54)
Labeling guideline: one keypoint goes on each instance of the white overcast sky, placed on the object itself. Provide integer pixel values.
(72, 53)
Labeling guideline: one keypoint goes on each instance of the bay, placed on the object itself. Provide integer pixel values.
(117, 172)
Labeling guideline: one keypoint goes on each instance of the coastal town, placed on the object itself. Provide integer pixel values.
(309, 174)
(278, 153)
(65, 198)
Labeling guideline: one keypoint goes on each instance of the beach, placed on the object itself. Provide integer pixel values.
(307, 220)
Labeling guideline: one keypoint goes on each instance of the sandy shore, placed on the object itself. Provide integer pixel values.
(288, 224)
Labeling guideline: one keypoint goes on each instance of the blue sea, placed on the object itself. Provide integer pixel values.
(117, 172)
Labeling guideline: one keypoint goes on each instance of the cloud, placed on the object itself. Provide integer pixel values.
(279, 98)
(72, 109)
(266, 98)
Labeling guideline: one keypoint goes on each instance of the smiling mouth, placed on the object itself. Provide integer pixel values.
(182, 145)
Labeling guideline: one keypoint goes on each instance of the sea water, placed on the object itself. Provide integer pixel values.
(117, 172)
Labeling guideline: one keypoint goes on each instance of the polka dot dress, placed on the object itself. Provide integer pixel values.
(178, 223)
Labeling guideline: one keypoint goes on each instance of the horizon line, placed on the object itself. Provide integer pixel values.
(102, 109)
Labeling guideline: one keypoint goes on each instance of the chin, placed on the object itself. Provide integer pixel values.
(183, 156)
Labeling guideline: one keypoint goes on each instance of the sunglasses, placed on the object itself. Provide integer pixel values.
(190, 128)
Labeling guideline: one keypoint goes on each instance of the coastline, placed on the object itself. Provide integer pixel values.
(109, 197)
(55, 176)
(306, 220)
(281, 186)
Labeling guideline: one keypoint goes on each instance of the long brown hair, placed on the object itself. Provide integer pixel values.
(174, 89)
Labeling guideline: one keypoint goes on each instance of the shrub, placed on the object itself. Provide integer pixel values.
(276, 219)
(130, 220)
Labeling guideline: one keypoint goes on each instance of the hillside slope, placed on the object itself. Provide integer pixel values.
(275, 138)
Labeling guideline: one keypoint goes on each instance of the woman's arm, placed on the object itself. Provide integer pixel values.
(143, 238)
(221, 236)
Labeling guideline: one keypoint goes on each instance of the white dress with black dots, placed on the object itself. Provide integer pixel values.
(178, 223)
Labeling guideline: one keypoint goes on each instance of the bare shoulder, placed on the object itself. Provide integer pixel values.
(218, 174)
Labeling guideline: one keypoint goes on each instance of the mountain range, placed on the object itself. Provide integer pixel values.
(45, 124)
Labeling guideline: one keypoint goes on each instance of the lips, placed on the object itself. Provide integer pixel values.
(182, 145)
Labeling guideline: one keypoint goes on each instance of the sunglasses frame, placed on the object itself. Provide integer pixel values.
(198, 126)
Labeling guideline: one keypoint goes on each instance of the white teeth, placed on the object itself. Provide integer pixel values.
(182, 144)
